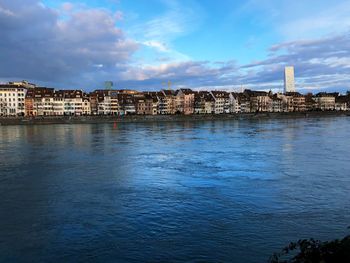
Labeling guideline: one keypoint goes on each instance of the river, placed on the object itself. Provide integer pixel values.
(210, 191)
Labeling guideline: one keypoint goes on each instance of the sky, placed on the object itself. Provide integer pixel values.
(198, 44)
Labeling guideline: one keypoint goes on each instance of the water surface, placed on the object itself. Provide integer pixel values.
(214, 191)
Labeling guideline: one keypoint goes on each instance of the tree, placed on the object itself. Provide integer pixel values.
(315, 251)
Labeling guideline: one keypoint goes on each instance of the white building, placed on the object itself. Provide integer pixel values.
(222, 102)
(289, 82)
(12, 98)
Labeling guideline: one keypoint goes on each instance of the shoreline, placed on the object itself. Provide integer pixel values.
(41, 120)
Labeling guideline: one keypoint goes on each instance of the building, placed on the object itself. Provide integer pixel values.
(146, 104)
(103, 102)
(287, 101)
(325, 101)
(185, 101)
(295, 102)
(289, 82)
(235, 106)
(244, 103)
(222, 102)
(310, 103)
(259, 101)
(58, 102)
(86, 104)
(277, 103)
(341, 103)
(73, 102)
(40, 101)
(127, 103)
(299, 103)
(204, 103)
(168, 102)
(12, 99)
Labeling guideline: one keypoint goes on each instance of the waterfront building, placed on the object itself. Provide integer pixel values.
(162, 103)
(204, 103)
(310, 103)
(277, 103)
(39, 101)
(325, 101)
(259, 101)
(12, 99)
(185, 101)
(289, 82)
(299, 102)
(113, 101)
(341, 103)
(73, 102)
(235, 106)
(244, 103)
(295, 102)
(222, 102)
(23, 98)
(127, 103)
(58, 102)
(103, 102)
(146, 105)
(154, 104)
(287, 101)
(169, 103)
(86, 104)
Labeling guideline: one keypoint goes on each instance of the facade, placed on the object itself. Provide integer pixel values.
(299, 104)
(204, 103)
(325, 101)
(244, 103)
(169, 104)
(73, 102)
(102, 102)
(341, 103)
(293, 102)
(289, 82)
(40, 101)
(23, 98)
(146, 105)
(58, 102)
(259, 101)
(185, 101)
(310, 103)
(127, 104)
(86, 104)
(277, 103)
(12, 100)
(222, 102)
(235, 106)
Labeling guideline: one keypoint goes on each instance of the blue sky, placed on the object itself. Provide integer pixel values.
(201, 44)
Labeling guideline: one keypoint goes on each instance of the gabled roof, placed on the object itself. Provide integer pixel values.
(255, 93)
(220, 94)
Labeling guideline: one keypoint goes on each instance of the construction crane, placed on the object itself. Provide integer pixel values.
(169, 84)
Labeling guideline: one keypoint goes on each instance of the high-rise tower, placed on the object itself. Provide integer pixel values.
(289, 83)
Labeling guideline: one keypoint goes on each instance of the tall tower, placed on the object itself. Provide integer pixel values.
(289, 83)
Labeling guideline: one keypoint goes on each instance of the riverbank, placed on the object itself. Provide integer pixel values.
(162, 118)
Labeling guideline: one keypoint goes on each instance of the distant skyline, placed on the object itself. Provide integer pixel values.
(200, 44)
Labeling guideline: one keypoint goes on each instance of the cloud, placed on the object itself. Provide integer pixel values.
(159, 32)
(81, 47)
(43, 44)
(157, 45)
(319, 63)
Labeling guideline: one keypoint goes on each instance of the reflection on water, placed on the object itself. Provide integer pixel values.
(233, 191)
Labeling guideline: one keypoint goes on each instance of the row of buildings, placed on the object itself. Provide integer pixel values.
(25, 99)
